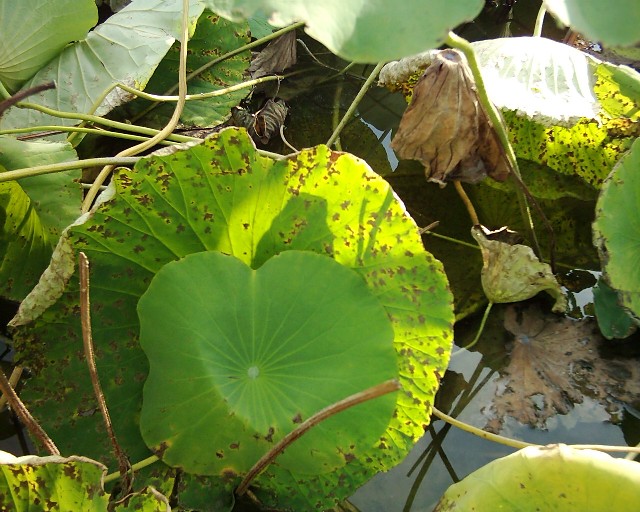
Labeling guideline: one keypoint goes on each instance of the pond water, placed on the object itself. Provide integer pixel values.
(446, 454)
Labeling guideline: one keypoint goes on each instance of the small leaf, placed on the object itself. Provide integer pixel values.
(613, 320)
(512, 273)
(446, 128)
(555, 477)
(51, 285)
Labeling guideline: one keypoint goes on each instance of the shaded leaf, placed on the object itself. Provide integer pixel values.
(34, 212)
(52, 25)
(279, 54)
(511, 273)
(613, 320)
(616, 230)
(446, 128)
(359, 30)
(555, 477)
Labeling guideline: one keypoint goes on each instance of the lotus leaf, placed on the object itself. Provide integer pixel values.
(616, 230)
(239, 357)
(34, 211)
(57, 483)
(511, 273)
(360, 30)
(222, 196)
(555, 477)
(126, 48)
(52, 26)
(618, 26)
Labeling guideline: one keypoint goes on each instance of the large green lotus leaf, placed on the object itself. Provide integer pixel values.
(34, 211)
(214, 36)
(556, 477)
(615, 26)
(126, 48)
(52, 25)
(359, 30)
(222, 196)
(616, 230)
(56, 483)
(239, 357)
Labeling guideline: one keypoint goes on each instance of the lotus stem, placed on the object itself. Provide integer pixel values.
(89, 353)
(25, 416)
(39, 170)
(20, 95)
(355, 399)
(354, 104)
(16, 373)
(467, 202)
(167, 130)
(537, 29)
(487, 310)
(133, 468)
(76, 129)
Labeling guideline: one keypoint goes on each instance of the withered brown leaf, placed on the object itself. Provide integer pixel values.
(278, 55)
(265, 123)
(446, 128)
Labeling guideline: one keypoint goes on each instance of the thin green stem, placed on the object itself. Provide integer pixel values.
(487, 310)
(64, 166)
(201, 96)
(77, 129)
(3, 92)
(537, 29)
(102, 121)
(335, 117)
(134, 467)
(513, 443)
(354, 104)
(452, 240)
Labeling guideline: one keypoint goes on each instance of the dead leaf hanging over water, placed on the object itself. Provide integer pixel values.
(265, 123)
(555, 363)
(512, 272)
(277, 56)
(446, 128)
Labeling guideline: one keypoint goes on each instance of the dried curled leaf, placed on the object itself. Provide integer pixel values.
(446, 128)
(265, 123)
(511, 273)
(278, 55)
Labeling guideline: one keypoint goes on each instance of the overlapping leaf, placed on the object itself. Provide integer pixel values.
(126, 48)
(221, 195)
(52, 25)
(359, 30)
